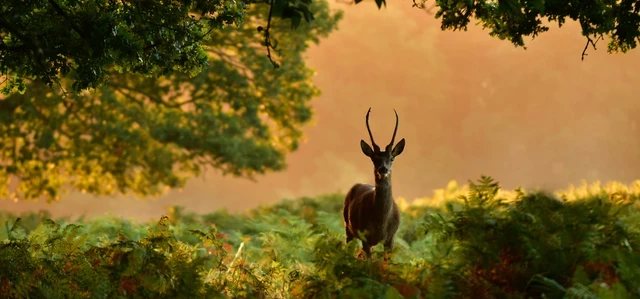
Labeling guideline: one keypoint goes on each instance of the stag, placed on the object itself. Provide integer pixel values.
(370, 213)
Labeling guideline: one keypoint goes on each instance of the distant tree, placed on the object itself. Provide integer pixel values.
(137, 96)
(616, 20)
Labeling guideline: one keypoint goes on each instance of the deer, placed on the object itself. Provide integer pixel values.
(370, 213)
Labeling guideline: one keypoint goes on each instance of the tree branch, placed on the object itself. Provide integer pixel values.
(120, 88)
(69, 110)
(423, 6)
(228, 58)
(75, 27)
(27, 40)
(267, 39)
(590, 42)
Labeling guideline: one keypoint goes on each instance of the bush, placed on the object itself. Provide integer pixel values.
(477, 241)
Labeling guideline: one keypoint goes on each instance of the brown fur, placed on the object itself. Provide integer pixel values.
(370, 210)
(364, 211)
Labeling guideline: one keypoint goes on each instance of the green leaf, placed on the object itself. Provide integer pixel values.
(308, 16)
(278, 8)
(539, 5)
(295, 20)
(392, 293)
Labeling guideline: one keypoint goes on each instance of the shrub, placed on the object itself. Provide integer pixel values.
(478, 241)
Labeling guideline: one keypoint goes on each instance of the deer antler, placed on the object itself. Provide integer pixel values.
(375, 146)
(393, 138)
(371, 208)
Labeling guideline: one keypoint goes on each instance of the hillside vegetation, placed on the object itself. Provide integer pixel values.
(467, 241)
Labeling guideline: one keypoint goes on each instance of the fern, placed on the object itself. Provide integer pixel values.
(478, 241)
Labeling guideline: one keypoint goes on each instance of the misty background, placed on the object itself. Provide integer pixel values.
(469, 104)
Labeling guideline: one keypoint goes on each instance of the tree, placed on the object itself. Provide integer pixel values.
(616, 20)
(48, 39)
(149, 127)
(138, 95)
(88, 40)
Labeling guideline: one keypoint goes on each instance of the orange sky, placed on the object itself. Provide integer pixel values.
(469, 104)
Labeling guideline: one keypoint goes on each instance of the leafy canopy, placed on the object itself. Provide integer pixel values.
(89, 40)
(107, 95)
(616, 20)
(142, 134)
(43, 39)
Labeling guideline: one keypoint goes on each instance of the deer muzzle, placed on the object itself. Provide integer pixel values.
(382, 172)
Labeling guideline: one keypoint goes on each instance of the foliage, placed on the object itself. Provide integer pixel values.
(88, 40)
(480, 241)
(134, 97)
(617, 20)
(143, 134)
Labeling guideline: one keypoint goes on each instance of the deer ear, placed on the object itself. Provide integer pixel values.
(397, 150)
(366, 149)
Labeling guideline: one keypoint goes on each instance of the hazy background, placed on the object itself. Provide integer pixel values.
(469, 104)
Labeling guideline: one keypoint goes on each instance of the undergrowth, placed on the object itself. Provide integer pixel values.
(476, 242)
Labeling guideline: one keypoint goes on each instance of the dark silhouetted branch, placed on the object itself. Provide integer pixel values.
(590, 42)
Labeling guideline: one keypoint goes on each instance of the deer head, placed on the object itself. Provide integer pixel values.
(382, 161)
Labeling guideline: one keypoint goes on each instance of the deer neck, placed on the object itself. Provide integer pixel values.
(383, 196)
